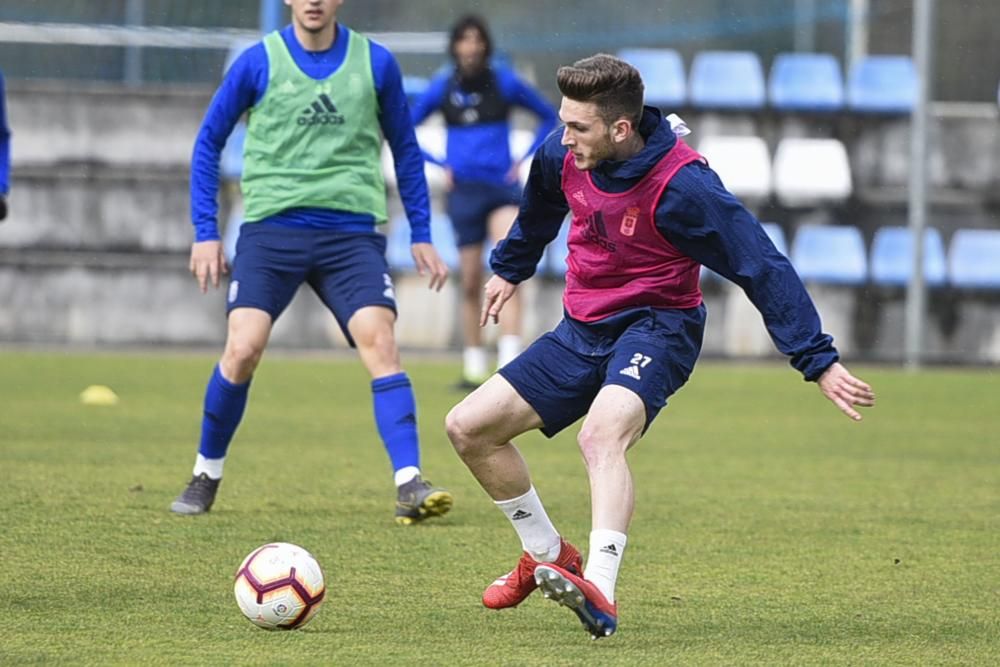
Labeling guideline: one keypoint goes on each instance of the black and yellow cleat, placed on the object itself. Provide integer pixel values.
(418, 500)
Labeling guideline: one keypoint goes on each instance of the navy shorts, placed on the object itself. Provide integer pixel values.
(650, 351)
(347, 270)
(470, 205)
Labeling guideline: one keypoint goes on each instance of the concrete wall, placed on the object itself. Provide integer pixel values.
(96, 247)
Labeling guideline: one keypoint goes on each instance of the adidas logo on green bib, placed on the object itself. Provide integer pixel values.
(321, 112)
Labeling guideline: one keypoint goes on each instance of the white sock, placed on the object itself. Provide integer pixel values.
(508, 347)
(404, 475)
(211, 467)
(604, 559)
(475, 365)
(538, 536)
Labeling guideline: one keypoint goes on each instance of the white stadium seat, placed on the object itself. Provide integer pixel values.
(520, 141)
(743, 164)
(809, 172)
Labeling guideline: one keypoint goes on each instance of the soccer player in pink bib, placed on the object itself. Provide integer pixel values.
(647, 213)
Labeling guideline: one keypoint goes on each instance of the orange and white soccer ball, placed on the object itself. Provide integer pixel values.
(279, 586)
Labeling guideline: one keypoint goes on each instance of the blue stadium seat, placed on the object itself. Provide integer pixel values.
(727, 80)
(777, 236)
(831, 254)
(414, 87)
(554, 259)
(882, 84)
(892, 256)
(398, 243)
(231, 232)
(773, 231)
(235, 51)
(231, 162)
(974, 258)
(662, 72)
(806, 82)
(397, 246)
(443, 235)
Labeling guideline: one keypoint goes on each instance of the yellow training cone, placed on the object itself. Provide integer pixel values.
(98, 394)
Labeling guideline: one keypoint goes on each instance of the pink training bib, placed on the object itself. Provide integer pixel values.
(618, 259)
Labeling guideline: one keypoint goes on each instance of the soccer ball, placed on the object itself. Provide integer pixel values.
(279, 586)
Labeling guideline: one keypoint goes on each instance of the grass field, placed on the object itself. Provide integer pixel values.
(769, 528)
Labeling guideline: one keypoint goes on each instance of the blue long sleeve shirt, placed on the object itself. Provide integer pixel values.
(4, 141)
(699, 217)
(477, 115)
(243, 87)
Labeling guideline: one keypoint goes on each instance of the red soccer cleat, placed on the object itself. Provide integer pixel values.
(512, 588)
(599, 616)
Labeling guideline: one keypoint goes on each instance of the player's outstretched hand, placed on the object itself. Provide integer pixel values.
(845, 390)
(428, 262)
(496, 293)
(207, 263)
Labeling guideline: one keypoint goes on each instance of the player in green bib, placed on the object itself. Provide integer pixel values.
(320, 99)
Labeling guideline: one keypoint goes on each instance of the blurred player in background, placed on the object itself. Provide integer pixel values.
(477, 98)
(647, 212)
(320, 98)
(4, 151)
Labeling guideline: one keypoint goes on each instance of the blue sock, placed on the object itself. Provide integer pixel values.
(224, 404)
(396, 419)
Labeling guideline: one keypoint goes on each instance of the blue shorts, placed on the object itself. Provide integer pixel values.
(470, 205)
(347, 270)
(650, 351)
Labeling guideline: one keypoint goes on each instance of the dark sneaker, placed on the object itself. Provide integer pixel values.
(198, 496)
(512, 588)
(418, 500)
(599, 616)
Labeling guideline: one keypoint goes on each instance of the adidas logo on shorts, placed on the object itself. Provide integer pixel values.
(631, 371)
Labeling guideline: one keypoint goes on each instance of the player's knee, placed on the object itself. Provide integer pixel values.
(240, 360)
(379, 341)
(472, 286)
(461, 429)
(472, 290)
(598, 446)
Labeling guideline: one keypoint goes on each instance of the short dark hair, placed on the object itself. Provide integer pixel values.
(470, 22)
(609, 82)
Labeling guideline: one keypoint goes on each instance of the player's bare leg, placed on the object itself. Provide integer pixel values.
(612, 426)
(246, 337)
(481, 428)
(509, 345)
(248, 332)
(373, 331)
(475, 364)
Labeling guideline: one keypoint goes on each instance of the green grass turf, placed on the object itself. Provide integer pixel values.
(769, 529)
